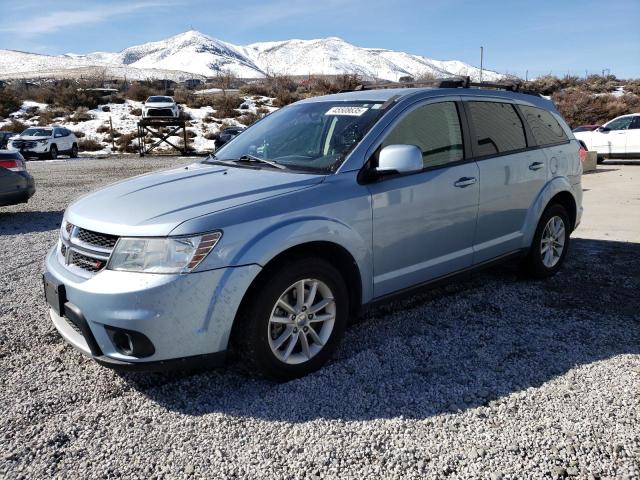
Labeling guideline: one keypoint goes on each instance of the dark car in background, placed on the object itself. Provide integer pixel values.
(4, 139)
(227, 135)
(16, 184)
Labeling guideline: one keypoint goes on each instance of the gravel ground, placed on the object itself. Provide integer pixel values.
(490, 377)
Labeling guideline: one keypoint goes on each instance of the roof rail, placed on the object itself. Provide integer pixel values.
(464, 82)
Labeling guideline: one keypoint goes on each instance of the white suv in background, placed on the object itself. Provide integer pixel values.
(45, 142)
(618, 138)
(160, 106)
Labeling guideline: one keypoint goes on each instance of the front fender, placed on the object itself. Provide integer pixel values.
(553, 187)
(270, 242)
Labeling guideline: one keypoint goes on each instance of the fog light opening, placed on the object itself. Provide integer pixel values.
(123, 342)
(130, 343)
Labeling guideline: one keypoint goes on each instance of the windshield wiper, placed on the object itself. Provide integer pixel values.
(252, 158)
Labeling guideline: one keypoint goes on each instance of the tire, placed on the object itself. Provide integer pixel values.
(276, 349)
(553, 229)
(74, 151)
(53, 152)
(600, 160)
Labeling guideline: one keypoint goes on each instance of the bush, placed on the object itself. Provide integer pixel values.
(579, 108)
(210, 135)
(89, 145)
(136, 111)
(191, 133)
(124, 143)
(9, 103)
(16, 126)
(225, 106)
(48, 116)
(104, 128)
(81, 115)
(249, 118)
(140, 92)
(79, 134)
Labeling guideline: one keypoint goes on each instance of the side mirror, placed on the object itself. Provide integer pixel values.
(400, 159)
(604, 129)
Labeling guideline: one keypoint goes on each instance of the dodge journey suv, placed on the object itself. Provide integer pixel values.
(313, 213)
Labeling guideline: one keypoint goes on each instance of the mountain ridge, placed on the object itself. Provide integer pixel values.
(193, 52)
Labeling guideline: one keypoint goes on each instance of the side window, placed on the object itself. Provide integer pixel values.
(636, 123)
(620, 123)
(435, 129)
(545, 128)
(498, 128)
(57, 133)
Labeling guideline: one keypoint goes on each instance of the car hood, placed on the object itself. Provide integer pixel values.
(159, 105)
(154, 204)
(29, 137)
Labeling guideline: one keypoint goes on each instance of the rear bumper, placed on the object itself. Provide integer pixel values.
(22, 194)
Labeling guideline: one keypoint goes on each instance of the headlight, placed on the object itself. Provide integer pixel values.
(162, 255)
(42, 142)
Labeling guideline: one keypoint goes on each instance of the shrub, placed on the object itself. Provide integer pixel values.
(16, 126)
(79, 134)
(104, 128)
(81, 115)
(191, 133)
(225, 106)
(124, 143)
(249, 118)
(48, 116)
(9, 103)
(140, 92)
(579, 108)
(89, 145)
(136, 111)
(284, 97)
(210, 135)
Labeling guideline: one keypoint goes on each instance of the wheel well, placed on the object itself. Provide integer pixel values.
(568, 202)
(332, 253)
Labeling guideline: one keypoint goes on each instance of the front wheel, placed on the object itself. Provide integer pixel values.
(74, 151)
(293, 319)
(53, 152)
(550, 243)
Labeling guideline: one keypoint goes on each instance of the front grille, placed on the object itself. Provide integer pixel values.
(101, 240)
(23, 144)
(160, 112)
(74, 326)
(86, 250)
(85, 262)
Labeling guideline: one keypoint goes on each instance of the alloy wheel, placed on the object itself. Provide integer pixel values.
(552, 242)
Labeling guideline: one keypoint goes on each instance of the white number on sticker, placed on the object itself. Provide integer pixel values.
(350, 111)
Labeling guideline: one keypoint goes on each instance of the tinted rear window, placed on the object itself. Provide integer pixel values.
(498, 128)
(10, 156)
(545, 128)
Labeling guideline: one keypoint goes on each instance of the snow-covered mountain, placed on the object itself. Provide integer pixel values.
(195, 53)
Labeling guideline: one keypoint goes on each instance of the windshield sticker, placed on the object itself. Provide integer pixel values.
(349, 111)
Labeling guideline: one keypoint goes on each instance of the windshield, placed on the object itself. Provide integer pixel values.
(314, 136)
(159, 100)
(37, 132)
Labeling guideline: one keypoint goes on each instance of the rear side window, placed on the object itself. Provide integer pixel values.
(435, 129)
(545, 128)
(498, 128)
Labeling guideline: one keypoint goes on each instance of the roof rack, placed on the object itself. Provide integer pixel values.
(464, 82)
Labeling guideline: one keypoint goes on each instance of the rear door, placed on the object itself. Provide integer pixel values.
(423, 223)
(511, 176)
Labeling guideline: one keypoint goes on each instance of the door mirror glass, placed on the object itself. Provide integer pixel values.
(603, 129)
(400, 159)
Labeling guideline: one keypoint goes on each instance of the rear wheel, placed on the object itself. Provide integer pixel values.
(53, 152)
(550, 243)
(294, 319)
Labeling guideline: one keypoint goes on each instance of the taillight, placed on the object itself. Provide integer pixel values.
(14, 165)
(583, 153)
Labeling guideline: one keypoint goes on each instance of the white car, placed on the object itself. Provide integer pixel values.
(45, 142)
(618, 138)
(160, 106)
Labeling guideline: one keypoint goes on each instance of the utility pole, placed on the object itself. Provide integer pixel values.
(481, 59)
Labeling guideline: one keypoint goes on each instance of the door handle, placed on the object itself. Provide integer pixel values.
(536, 166)
(465, 182)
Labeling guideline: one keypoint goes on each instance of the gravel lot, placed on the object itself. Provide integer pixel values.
(491, 377)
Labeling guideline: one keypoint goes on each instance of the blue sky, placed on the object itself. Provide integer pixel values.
(542, 37)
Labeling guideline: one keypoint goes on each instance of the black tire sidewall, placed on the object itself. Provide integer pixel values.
(256, 347)
(74, 152)
(536, 266)
(53, 152)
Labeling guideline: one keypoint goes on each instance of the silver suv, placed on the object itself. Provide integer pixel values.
(313, 213)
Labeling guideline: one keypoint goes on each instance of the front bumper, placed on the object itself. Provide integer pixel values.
(188, 318)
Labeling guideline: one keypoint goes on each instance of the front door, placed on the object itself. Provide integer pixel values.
(613, 138)
(423, 223)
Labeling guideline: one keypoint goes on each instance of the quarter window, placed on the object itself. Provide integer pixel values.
(435, 130)
(498, 128)
(545, 128)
